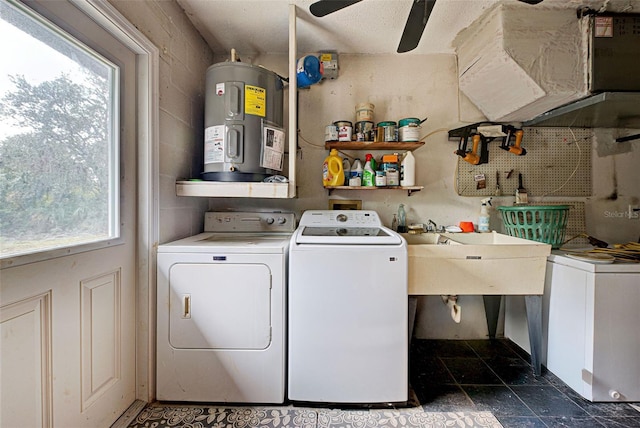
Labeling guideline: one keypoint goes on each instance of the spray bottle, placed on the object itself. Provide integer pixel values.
(368, 173)
(483, 219)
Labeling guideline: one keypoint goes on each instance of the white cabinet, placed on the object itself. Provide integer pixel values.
(593, 319)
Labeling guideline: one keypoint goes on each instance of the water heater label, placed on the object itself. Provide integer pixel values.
(255, 100)
(604, 26)
(273, 139)
(214, 144)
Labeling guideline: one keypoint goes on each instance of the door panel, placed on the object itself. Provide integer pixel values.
(101, 333)
(26, 364)
(220, 306)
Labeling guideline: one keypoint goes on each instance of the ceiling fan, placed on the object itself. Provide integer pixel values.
(413, 29)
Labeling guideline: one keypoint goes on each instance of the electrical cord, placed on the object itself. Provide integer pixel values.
(310, 143)
(575, 140)
(434, 132)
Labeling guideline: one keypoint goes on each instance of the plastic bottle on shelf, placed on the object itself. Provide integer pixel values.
(346, 166)
(408, 170)
(332, 171)
(402, 219)
(368, 173)
(483, 219)
(356, 168)
(356, 174)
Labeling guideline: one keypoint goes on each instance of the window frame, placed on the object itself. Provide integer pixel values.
(115, 180)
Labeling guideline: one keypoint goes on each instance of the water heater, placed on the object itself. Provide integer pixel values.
(244, 137)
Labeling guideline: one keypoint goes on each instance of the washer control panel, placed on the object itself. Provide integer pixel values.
(268, 222)
(343, 218)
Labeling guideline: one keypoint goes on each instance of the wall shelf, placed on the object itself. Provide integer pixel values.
(370, 145)
(232, 189)
(410, 189)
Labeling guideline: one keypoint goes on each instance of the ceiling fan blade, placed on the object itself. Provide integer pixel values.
(325, 7)
(417, 20)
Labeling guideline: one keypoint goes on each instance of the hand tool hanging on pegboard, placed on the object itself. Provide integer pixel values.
(479, 151)
(512, 142)
(472, 155)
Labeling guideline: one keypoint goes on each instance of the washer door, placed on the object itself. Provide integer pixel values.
(219, 306)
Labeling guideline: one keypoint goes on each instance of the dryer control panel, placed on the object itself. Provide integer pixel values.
(267, 222)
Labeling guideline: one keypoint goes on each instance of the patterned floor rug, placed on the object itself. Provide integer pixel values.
(161, 416)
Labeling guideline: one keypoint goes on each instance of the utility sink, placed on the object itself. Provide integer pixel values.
(475, 263)
(425, 238)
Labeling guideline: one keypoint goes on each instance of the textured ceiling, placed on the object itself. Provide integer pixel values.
(368, 27)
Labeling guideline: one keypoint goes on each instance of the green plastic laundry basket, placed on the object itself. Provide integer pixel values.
(542, 223)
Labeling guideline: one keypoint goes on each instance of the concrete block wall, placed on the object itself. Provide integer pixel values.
(184, 58)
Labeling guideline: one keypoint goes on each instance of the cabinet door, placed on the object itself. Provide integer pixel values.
(567, 336)
(616, 347)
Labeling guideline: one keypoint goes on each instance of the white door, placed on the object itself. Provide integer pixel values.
(220, 306)
(68, 219)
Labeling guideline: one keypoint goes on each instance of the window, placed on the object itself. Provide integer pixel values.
(59, 183)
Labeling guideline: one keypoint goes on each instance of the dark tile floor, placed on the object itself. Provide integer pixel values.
(479, 375)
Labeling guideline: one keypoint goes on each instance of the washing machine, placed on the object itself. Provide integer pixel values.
(347, 316)
(221, 310)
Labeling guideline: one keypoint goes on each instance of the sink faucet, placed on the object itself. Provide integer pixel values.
(432, 226)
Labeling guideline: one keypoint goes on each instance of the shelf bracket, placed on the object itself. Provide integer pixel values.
(410, 190)
(628, 138)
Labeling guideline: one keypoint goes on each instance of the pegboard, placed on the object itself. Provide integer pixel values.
(552, 156)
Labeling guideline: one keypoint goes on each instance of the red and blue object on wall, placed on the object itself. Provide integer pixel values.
(309, 70)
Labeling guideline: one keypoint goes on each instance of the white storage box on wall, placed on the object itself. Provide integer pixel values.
(516, 62)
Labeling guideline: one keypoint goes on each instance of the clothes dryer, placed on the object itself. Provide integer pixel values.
(221, 310)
